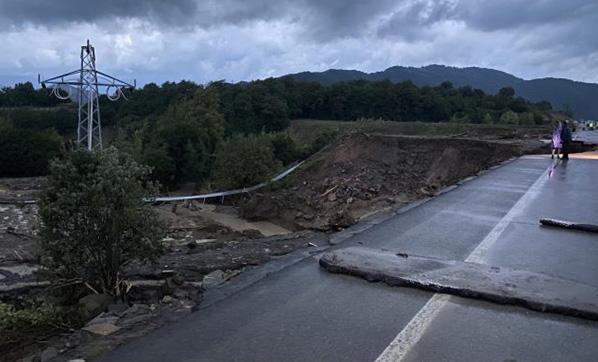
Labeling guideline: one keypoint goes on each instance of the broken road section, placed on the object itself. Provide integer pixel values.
(570, 225)
(535, 291)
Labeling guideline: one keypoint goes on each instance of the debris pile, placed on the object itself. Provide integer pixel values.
(362, 173)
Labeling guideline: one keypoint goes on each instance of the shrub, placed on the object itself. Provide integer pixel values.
(323, 140)
(21, 326)
(37, 316)
(94, 218)
(509, 117)
(284, 148)
(27, 152)
(244, 161)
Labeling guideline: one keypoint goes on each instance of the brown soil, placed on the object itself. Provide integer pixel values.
(362, 173)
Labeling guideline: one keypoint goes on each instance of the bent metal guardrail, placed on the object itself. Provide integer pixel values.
(211, 195)
(222, 194)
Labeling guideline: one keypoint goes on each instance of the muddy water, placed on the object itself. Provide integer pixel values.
(236, 223)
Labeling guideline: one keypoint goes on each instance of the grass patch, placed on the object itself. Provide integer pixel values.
(306, 131)
(23, 326)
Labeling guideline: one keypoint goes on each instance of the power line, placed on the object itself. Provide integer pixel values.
(83, 86)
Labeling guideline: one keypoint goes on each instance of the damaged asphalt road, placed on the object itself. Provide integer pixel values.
(536, 291)
(305, 313)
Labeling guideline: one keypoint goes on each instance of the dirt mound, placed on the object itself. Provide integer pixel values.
(361, 173)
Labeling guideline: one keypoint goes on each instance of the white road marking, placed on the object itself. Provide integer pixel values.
(410, 335)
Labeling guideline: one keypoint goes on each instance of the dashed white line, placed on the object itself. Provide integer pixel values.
(410, 335)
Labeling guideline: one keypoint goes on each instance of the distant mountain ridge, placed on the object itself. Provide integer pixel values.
(581, 97)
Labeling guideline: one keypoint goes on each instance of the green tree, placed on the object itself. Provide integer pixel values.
(509, 117)
(244, 161)
(25, 152)
(284, 148)
(506, 92)
(191, 131)
(95, 219)
(526, 119)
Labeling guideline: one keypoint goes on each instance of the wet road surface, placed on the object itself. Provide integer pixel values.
(303, 313)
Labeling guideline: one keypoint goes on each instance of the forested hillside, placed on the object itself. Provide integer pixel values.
(189, 132)
(563, 94)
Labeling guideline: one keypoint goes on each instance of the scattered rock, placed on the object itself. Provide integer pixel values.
(104, 318)
(169, 286)
(308, 217)
(181, 294)
(252, 234)
(342, 219)
(118, 308)
(167, 299)
(137, 309)
(48, 354)
(102, 329)
(73, 340)
(213, 279)
(94, 304)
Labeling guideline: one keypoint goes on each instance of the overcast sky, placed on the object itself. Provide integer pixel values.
(204, 40)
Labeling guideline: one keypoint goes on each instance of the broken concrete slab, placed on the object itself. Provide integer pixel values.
(569, 225)
(213, 279)
(539, 292)
(102, 329)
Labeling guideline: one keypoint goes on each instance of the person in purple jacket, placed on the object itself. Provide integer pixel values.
(556, 139)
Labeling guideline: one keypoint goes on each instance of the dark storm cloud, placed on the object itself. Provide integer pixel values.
(324, 19)
(412, 20)
(57, 12)
(245, 39)
(508, 14)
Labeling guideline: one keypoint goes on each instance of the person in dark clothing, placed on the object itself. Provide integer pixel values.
(566, 138)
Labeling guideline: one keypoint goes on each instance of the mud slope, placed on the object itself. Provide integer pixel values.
(362, 173)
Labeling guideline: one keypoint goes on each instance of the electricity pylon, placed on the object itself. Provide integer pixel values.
(83, 86)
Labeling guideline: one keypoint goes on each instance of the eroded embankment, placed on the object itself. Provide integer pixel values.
(362, 173)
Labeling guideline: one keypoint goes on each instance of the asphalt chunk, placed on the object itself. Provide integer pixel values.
(535, 291)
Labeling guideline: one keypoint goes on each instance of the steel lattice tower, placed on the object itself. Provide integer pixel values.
(83, 86)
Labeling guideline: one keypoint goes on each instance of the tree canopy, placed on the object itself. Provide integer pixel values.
(176, 128)
(94, 218)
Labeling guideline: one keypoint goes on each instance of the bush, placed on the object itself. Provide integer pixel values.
(63, 120)
(509, 117)
(245, 161)
(94, 218)
(322, 141)
(38, 316)
(27, 152)
(284, 148)
(27, 324)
